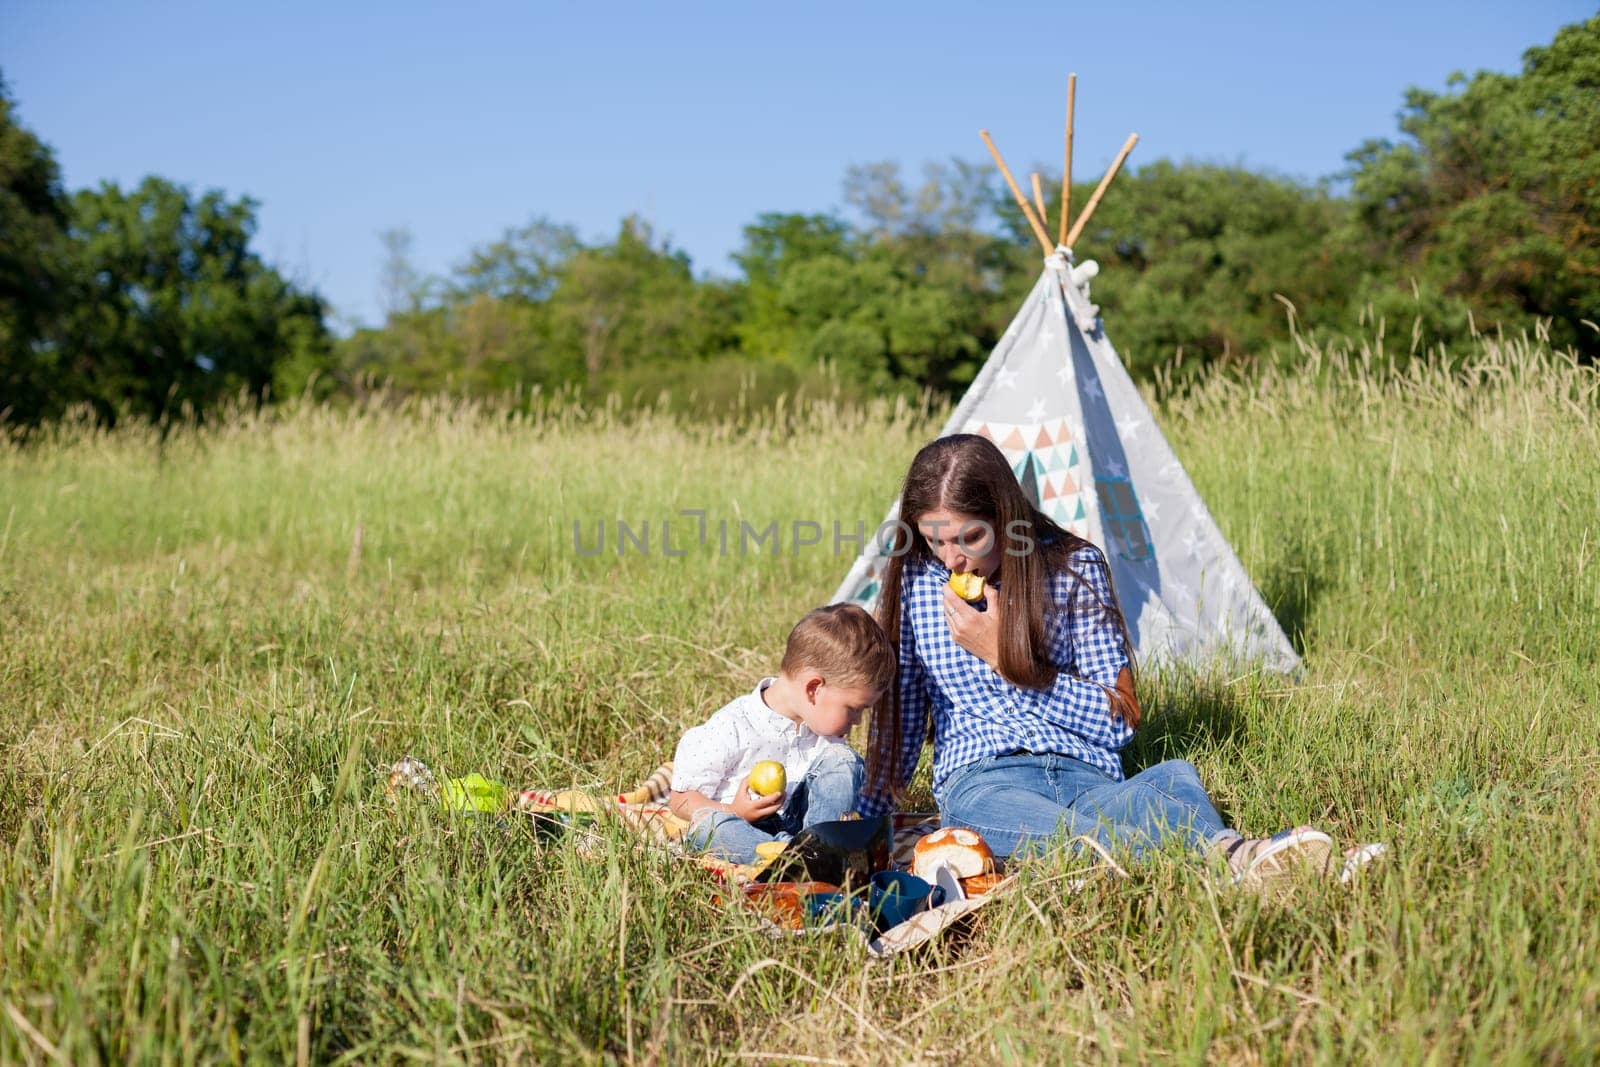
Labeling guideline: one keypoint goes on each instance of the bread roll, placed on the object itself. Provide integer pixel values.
(979, 884)
(964, 851)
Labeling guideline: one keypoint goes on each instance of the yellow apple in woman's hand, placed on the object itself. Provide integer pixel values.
(968, 587)
(767, 778)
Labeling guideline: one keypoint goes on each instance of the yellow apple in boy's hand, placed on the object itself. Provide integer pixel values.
(968, 587)
(767, 778)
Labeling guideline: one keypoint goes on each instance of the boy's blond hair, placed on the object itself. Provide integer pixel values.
(845, 645)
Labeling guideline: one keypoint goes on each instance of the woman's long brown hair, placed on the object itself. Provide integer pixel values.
(968, 475)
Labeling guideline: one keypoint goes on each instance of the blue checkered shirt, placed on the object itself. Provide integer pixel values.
(976, 712)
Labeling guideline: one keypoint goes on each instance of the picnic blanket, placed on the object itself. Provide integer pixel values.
(643, 810)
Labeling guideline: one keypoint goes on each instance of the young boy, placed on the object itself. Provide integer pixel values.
(836, 665)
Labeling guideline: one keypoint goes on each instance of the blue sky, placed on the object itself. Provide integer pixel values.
(458, 120)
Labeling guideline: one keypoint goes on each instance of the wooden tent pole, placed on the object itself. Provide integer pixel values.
(1066, 166)
(1038, 200)
(1022, 201)
(1100, 190)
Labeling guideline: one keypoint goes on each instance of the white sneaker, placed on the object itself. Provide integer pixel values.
(1256, 860)
(1356, 860)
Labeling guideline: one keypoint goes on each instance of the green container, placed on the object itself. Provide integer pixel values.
(474, 794)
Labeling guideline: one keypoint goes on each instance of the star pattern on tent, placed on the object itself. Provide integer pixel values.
(1036, 412)
(1064, 375)
(1191, 543)
(1127, 425)
(1005, 378)
(1116, 470)
(1151, 508)
(1092, 387)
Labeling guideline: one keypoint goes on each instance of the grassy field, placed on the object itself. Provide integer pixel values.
(211, 646)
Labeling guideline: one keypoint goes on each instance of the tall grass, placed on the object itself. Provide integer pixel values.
(213, 640)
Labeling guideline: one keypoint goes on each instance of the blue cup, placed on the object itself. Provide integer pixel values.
(898, 895)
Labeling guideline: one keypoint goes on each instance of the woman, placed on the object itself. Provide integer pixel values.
(1031, 691)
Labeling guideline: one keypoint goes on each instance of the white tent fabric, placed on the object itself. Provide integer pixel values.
(1056, 399)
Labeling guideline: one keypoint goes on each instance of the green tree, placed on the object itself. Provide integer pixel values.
(524, 264)
(1491, 201)
(632, 302)
(401, 286)
(907, 299)
(485, 329)
(1196, 257)
(173, 307)
(773, 244)
(954, 196)
(915, 310)
(33, 220)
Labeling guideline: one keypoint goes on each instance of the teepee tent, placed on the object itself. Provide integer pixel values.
(1056, 399)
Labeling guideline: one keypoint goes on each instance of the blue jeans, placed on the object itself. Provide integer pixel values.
(830, 789)
(1019, 801)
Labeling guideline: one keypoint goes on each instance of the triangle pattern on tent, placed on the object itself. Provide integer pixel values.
(1052, 396)
(1034, 466)
(1030, 484)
